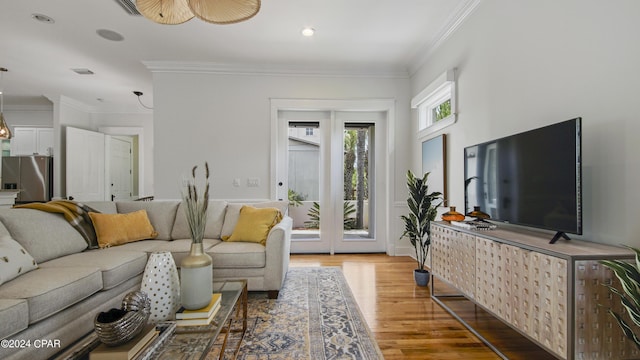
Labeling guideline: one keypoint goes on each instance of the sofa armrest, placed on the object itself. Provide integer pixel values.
(277, 251)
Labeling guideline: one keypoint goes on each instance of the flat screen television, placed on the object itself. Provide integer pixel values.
(532, 178)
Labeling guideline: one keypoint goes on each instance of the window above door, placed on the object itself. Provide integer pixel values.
(436, 104)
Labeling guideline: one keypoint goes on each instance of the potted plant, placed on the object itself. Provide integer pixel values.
(629, 275)
(422, 210)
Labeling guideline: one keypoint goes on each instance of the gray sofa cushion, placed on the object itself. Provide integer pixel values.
(116, 266)
(14, 316)
(233, 213)
(105, 207)
(238, 255)
(162, 214)
(51, 290)
(33, 230)
(3, 230)
(147, 246)
(215, 218)
(181, 248)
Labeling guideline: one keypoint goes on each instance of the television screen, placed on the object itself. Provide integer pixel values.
(531, 179)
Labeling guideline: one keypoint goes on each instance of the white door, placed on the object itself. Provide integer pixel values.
(306, 154)
(298, 130)
(120, 167)
(85, 165)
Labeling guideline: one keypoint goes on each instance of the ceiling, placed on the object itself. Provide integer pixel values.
(363, 36)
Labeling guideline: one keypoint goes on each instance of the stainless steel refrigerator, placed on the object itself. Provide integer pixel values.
(32, 175)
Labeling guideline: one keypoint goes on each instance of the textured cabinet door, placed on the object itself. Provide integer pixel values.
(548, 287)
(453, 258)
(598, 335)
(500, 281)
(521, 299)
(525, 289)
(465, 263)
(487, 265)
(439, 251)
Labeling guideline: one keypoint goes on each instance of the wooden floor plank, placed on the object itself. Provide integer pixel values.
(406, 323)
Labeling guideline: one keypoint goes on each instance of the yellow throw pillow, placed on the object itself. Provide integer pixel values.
(254, 224)
(118, 229)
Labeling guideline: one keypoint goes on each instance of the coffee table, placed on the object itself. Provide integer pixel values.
(186, 342)
(194, 342)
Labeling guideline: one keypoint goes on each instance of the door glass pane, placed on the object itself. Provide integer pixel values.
(357, 209)
(304, 183)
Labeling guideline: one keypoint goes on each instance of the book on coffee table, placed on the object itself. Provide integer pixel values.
(199, 321)
(128, 350)
(203, 313)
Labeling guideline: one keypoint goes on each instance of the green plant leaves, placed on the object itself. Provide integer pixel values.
(423, 208)
(629, 276)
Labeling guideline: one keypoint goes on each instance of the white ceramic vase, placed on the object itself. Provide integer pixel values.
(161, 283)
(196, 278)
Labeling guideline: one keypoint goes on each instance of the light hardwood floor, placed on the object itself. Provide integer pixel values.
(406, 323)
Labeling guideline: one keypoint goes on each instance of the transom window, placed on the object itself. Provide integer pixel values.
(436, 104)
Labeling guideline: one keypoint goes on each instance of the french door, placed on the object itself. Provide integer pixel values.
(330, 172)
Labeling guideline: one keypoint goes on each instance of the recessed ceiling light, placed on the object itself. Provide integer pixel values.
(109, 35)
(42, 18)
(308, 31)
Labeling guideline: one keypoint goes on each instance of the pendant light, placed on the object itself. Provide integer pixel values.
(224, 11)
(5, 132)
(167, 12)
(172, 12)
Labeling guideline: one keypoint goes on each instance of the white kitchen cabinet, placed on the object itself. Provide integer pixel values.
(32, 141)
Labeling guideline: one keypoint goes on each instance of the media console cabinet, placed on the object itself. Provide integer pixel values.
(550, 293)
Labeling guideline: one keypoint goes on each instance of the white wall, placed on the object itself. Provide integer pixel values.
(225, 119)
(35, 116)
(526, 64)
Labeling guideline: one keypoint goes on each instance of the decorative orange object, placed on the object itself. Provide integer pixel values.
(452, 215)
(478, 214)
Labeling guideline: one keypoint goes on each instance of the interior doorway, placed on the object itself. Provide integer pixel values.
(138, 158)
(121, 167)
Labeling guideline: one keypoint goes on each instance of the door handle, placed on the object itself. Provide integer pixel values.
(70, 197)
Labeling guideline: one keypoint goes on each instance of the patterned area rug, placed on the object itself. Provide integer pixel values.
(315, 317)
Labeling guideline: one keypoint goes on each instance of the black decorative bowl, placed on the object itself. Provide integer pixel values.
(117, 326)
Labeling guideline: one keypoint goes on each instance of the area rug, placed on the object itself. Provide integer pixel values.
(315, 317)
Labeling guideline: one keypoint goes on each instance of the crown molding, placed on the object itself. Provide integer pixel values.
(273, 70)
(455, 21)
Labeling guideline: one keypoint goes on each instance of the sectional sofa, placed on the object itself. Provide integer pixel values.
(57, 297)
